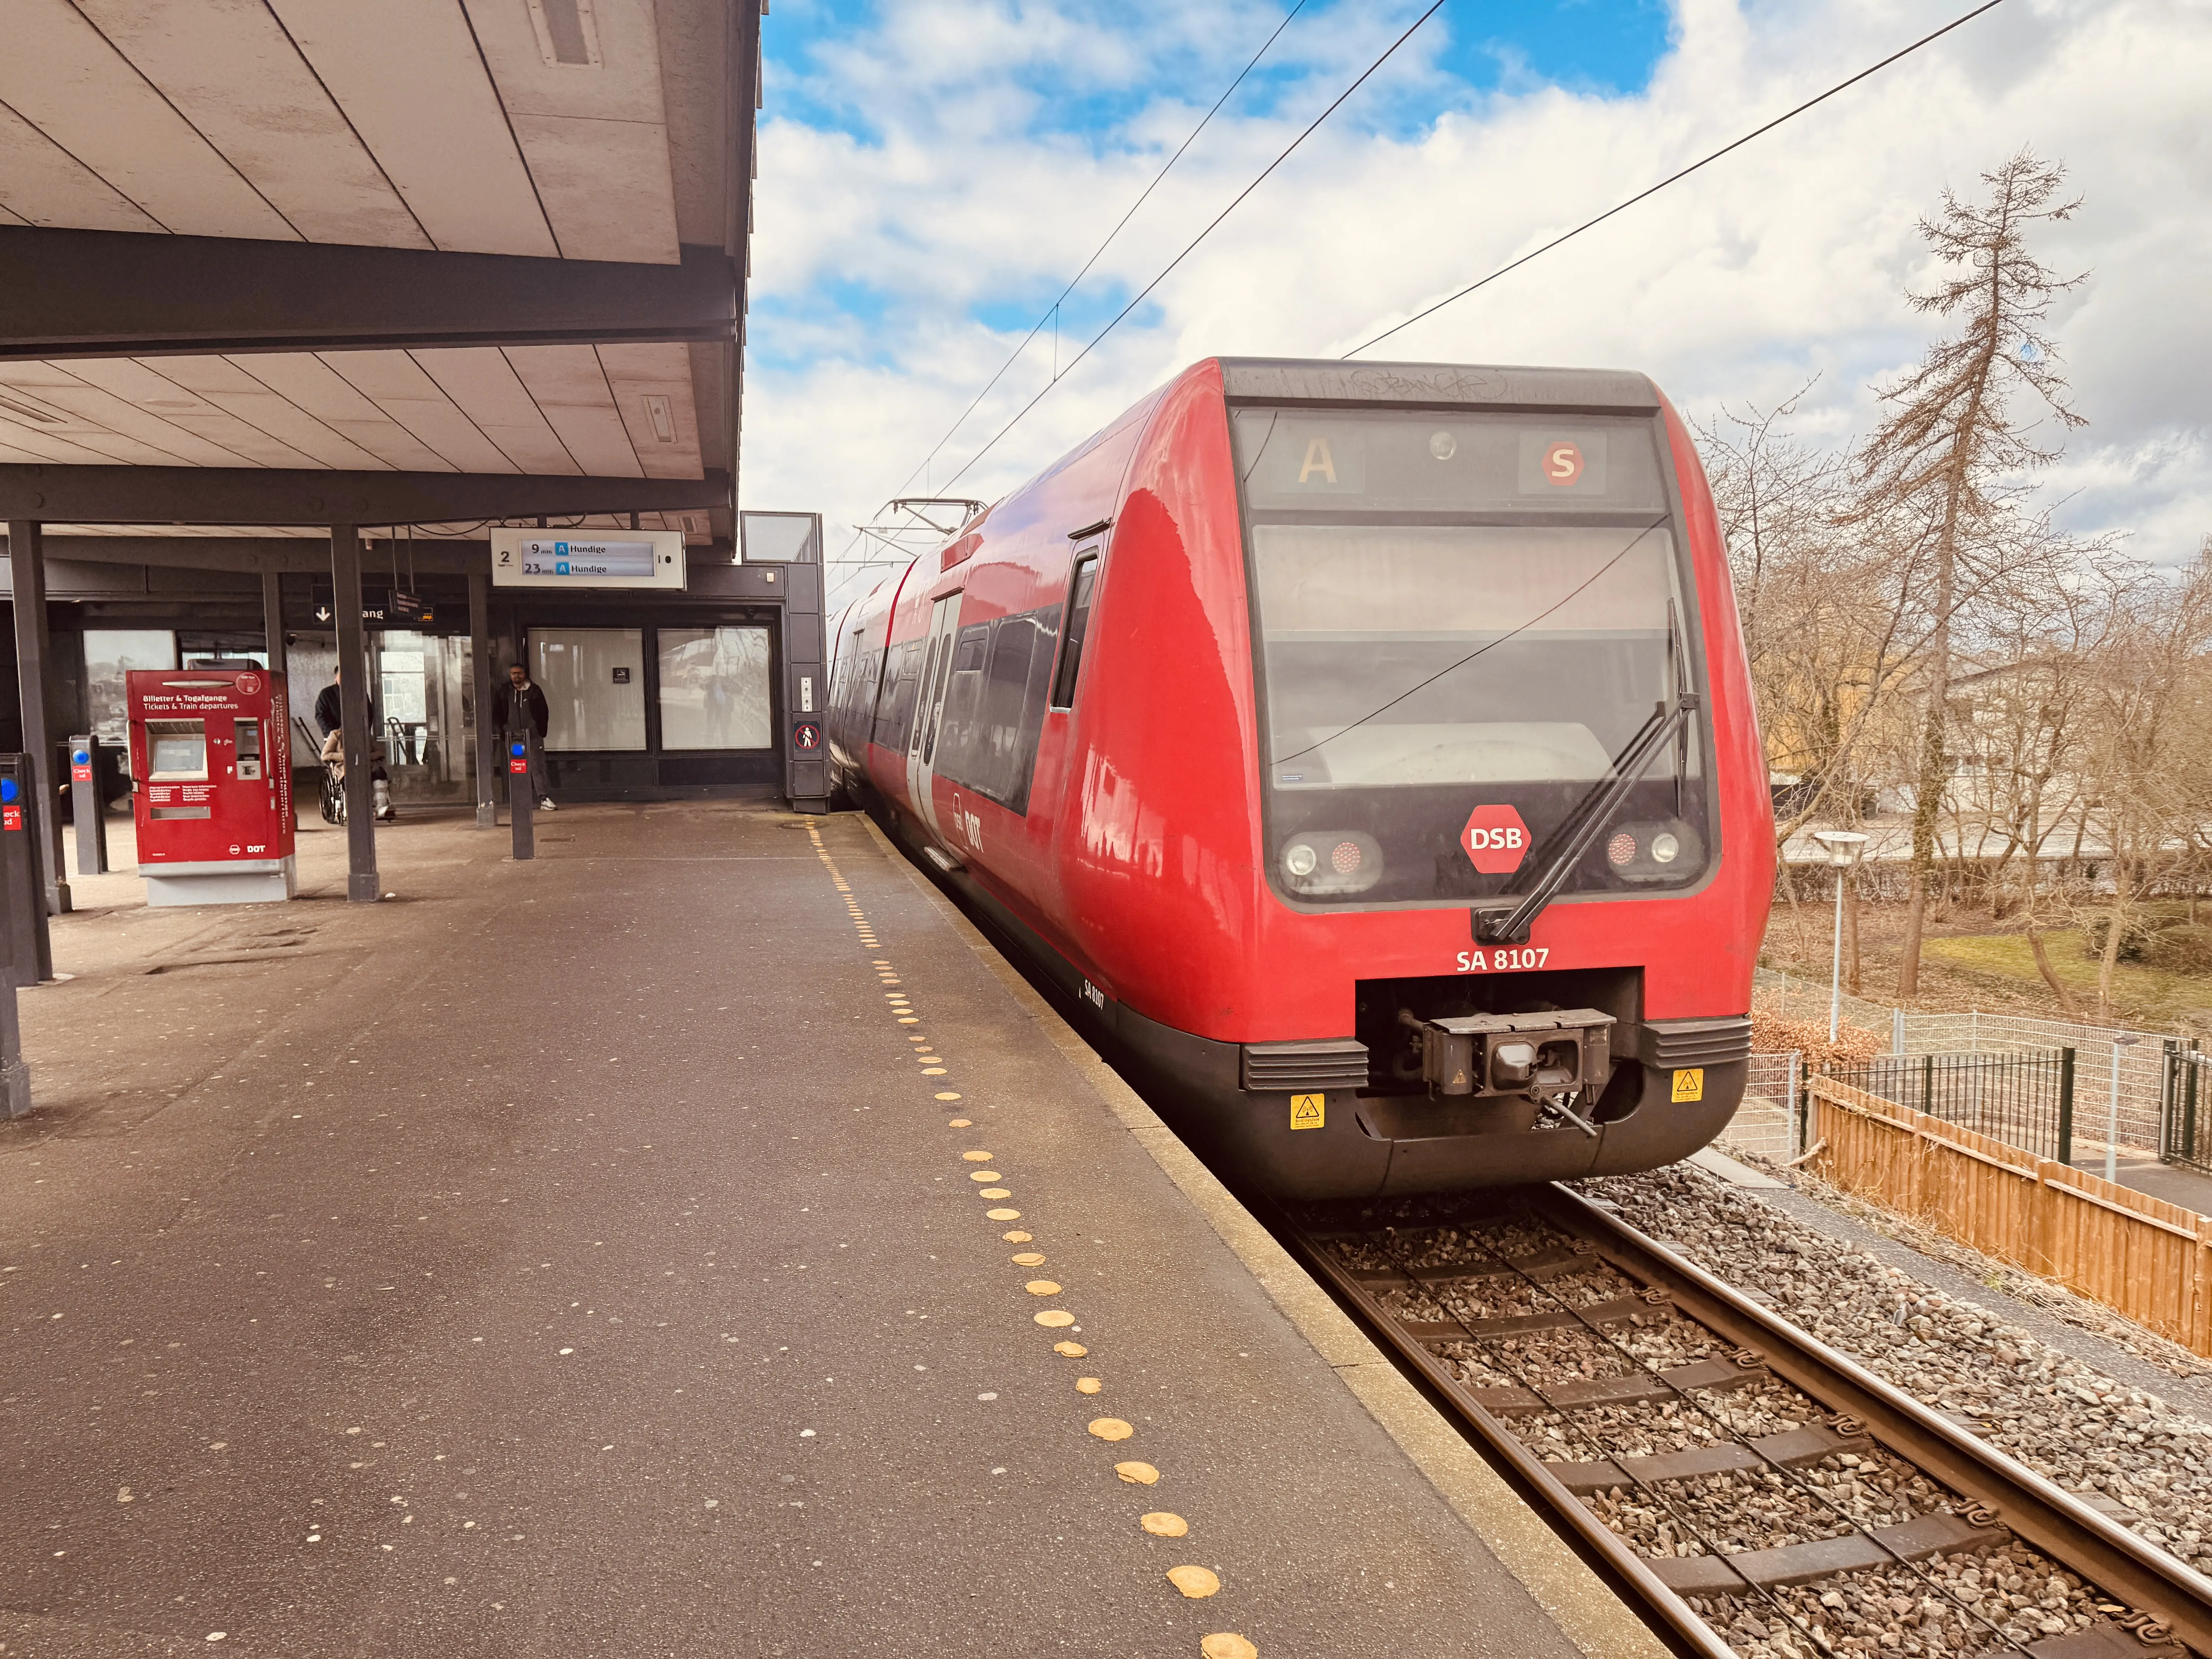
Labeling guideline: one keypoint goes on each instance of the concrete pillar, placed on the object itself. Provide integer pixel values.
(26, 560)
(488, 767)
(363, 885)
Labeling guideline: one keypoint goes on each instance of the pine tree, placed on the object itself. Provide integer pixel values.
(1951, 441)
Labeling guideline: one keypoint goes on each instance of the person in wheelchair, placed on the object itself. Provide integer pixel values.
(330, 716)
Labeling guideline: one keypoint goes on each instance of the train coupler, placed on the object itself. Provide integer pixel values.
(1549, 1055)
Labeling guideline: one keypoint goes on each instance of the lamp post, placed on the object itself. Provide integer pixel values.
(1845, 847)
(2112, 1112)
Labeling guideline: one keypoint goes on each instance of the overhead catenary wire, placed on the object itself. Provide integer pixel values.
(1675, 178)
(1557, 241)
(1211, 226)
(1052, 312)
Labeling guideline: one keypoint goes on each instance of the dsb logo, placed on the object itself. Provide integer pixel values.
(1495, 839)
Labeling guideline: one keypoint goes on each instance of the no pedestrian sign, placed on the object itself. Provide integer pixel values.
(806, 736)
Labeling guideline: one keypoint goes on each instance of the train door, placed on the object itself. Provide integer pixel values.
(929, 710)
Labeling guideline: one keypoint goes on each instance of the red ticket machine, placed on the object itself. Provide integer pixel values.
(212, 784)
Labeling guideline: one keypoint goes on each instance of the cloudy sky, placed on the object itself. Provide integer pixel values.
(933, 171)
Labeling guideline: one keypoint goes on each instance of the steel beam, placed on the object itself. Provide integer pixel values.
(300, 555)
(260, 556)
(26, 569)
(363, 885)
(107, 294)
(273, 629)
(282, 496)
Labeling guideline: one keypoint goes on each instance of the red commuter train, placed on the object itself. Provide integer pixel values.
(1368, 752)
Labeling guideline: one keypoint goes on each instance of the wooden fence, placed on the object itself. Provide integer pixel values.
(2141, 1256)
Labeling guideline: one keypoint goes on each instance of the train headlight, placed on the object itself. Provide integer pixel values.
(1442, 446)
(1331, 863)
(1669, 851)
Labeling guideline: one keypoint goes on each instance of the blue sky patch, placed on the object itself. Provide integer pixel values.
(1604, 46)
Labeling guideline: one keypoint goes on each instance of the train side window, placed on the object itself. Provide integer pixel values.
(1080, 590)
(894, 693)
(957, 702)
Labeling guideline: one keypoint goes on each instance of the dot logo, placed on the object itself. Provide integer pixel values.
(249, 685)
(1495, 840)
(1562, 464)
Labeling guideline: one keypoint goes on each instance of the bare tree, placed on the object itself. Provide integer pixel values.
(2022, 716)
(1950, 439)
(2145, 757)
(1822, 600)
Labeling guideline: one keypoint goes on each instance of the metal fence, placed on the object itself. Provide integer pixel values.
(2185, 1110)
(2141, 1055)
(1770, 1120)
(2131, 1109)
(2024, 1100)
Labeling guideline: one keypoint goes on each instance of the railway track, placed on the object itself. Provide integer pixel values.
(1751, 1488)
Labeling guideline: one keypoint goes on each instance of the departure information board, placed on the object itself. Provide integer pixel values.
(557, 558)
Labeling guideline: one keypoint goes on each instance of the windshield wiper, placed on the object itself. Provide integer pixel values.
(1588, 821)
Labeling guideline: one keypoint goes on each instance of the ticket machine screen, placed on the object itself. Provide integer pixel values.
(178, 748)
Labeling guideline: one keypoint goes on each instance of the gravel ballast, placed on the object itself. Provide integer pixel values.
(2147, 1464)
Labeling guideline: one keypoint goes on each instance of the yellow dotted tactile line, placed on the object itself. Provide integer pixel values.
(860, 923)
(902, 1010)
(1195, 1583)
(901, 1006)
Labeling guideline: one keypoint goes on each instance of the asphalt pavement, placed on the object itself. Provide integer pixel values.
(590, 1257)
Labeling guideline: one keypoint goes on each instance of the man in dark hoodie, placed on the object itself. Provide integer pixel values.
(520, 687)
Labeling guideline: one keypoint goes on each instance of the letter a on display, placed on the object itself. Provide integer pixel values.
(1318, 461)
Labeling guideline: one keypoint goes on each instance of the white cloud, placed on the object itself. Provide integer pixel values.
(1786, 259)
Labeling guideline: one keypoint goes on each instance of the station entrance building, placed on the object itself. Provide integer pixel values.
(707, 691)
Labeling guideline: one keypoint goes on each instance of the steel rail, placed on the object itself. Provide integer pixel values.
(2178, 1600)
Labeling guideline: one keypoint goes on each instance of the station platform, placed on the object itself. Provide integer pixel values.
(694, 1242)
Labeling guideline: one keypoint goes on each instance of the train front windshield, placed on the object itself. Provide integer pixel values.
(1464, 623)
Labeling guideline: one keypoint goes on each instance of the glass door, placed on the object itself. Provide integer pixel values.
(921, 744)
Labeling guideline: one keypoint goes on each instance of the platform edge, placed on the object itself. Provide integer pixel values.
(1586, 1611)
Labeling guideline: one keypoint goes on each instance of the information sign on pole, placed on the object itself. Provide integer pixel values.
(587, 558)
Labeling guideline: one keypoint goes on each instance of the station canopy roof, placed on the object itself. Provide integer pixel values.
(267, 265)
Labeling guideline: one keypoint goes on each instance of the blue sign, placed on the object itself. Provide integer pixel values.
(10, 789)
(518, 748)
(79, 755)
(560, 569)
(560, 549)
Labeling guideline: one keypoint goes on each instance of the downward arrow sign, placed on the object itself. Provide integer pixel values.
(322, 613)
